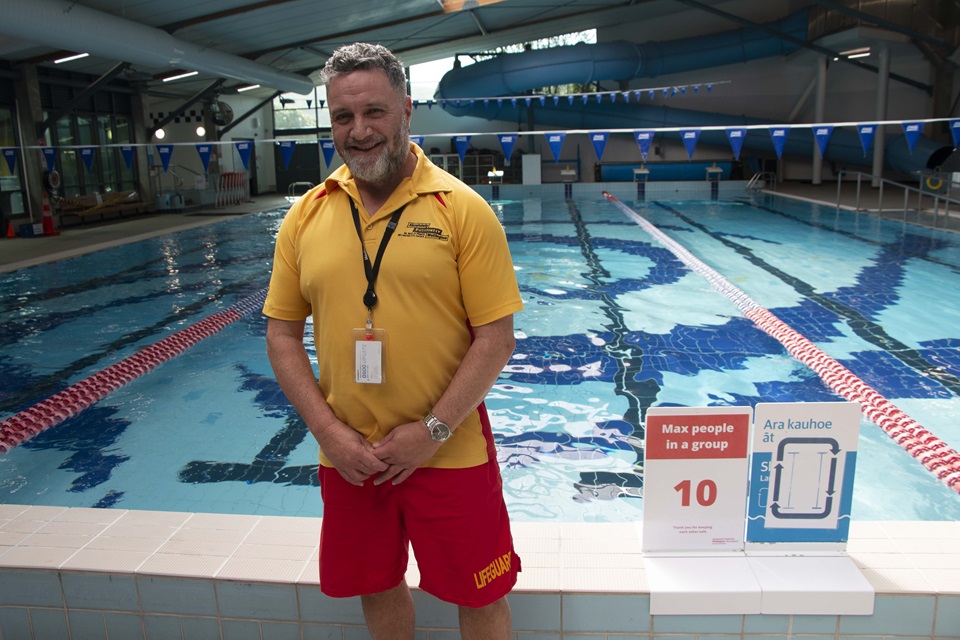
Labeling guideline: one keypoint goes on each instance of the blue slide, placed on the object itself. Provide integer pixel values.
(514, 74)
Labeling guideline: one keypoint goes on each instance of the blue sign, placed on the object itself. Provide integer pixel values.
(911, 131)
(555, 141)
(802, 470)
(462, 143)
(328, 150)
(507, 140)
(779, 137)
(204, 151)
(286, 150)
(10, 155)
(599, 140)
(244, 149)
(866, 132)
(644, 138)
(165, 151)
(690, 137)
(736, 136)
(822, 135)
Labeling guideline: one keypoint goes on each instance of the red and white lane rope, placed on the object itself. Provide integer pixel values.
(79, 396)
(934, 454)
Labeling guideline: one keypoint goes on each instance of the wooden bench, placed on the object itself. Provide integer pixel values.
(97, 204)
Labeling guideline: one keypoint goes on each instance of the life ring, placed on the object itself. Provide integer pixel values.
(934, 187)
(52, 180)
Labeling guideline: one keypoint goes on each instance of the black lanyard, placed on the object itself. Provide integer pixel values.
(370, 296)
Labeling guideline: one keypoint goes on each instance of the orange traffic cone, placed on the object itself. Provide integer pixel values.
(10, 233)
(48, 229)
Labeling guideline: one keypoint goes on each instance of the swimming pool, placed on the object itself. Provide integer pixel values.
(614, 324)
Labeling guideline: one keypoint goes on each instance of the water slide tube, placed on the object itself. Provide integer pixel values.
(514, 74)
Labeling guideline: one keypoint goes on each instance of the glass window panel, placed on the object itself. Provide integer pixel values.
(108, 154)
(69, 160)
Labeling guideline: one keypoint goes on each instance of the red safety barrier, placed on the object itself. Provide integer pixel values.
(75, 398)
(934, 454)
(233, 187)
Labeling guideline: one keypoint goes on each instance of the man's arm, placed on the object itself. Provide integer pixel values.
(409, 445)
(347, 450)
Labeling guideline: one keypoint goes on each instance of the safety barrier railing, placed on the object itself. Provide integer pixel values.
(937, 204)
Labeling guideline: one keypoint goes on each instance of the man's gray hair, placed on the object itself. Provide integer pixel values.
(361, 56)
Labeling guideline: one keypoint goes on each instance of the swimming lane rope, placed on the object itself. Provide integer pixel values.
(934, 454)
(77, 397)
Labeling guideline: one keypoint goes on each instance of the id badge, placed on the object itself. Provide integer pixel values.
(369, 355)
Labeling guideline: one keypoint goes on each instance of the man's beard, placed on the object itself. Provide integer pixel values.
(382, 169)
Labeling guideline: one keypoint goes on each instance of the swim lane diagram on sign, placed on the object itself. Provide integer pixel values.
(802, 468)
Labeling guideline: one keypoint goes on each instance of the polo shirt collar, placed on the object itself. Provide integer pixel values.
(427, 179)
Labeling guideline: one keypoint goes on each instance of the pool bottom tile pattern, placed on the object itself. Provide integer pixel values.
(78, 573)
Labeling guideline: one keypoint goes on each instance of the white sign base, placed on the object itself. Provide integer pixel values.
(811, 585)
(702, 586)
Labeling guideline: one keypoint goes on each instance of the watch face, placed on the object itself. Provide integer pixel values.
(440, 431)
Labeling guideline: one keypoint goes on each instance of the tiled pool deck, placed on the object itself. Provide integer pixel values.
(100, 573)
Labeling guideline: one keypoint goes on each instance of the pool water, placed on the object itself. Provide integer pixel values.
(614, 324)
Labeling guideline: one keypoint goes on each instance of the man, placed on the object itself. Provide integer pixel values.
(408, 277)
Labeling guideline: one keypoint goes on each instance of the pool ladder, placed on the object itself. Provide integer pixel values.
(940, 201)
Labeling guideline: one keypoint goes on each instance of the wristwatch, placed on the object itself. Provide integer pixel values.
(439, 431)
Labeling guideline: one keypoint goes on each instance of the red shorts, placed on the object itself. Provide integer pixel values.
(455, 519)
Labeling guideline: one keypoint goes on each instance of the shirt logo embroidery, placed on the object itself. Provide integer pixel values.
(423, 230)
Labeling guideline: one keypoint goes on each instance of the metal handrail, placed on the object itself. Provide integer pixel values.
(764, 176)
(907, 191)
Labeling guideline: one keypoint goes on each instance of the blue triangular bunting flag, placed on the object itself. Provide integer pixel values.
(599, 140)
(911, 131)
(866, 132)
(690, 137)
(127, 152)
(417, 140)
(86, 154)
(822, 135)
(203, 150)
(955, 132)
(644, 138)
(50, 155)
(555, 141)
(244, 148)
(286, 150)
(507, 140)
(462, 143)
(779, 137)
(165, 151)
(328, 150)
(10, 155)
(736, 135)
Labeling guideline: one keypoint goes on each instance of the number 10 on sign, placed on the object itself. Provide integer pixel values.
(695, 479)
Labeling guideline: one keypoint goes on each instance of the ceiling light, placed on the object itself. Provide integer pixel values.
(160, 133)
(182, 75)
(252, 86)
(73, 57)
(201, 131)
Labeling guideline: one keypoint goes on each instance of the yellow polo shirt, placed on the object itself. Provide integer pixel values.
(446, 267)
